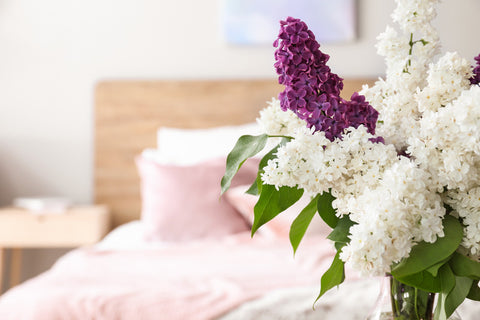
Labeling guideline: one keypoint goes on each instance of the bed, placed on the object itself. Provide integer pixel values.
(177, 251)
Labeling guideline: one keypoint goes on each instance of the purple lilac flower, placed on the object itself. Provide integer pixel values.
(312, 91)
(475, 79)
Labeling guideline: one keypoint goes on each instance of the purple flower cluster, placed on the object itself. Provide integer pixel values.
(475, 79)
(312, 91)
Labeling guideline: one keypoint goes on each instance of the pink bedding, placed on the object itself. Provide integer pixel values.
(197, 280)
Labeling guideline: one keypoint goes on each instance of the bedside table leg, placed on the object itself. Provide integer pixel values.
(15, 267)
(2, 258)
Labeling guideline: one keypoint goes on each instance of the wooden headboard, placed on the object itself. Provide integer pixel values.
(128, 114)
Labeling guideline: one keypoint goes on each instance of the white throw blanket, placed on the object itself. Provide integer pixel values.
(353, 300)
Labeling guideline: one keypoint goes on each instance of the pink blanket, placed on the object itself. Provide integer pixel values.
(198, 280)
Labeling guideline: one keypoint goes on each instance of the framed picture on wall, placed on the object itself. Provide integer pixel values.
(256, 22)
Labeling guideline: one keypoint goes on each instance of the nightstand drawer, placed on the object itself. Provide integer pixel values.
(77, 226)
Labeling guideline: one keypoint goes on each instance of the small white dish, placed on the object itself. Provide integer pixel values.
(43, 205)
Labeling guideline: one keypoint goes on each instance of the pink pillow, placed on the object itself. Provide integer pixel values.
(280, 225)
(181, 203)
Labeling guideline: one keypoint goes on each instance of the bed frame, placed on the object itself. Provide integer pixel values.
(128, 114)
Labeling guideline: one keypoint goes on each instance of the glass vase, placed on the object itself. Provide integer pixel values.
(398, 301)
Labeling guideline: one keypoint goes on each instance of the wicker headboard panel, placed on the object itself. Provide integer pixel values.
(128, 114)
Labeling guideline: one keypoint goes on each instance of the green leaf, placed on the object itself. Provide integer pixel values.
(425, 255)
(474, 293)
(256, 187)
(451, 296)
(300, 224)
(447, 278)
(465, 267)
(333, 277)
(433, 270)
(246, 147)
(443, 282)
(339, 245)
(340, 233)
(457, 295)
(272, 202)
(425, 281)
(325, 209)
(253, 190)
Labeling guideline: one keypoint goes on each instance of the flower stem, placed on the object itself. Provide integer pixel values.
(411, 43)
(280, 136)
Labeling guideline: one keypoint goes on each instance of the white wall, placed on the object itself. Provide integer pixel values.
(52, 52)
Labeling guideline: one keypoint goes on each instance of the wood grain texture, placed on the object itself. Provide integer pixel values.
(128, 114)
(77, 226)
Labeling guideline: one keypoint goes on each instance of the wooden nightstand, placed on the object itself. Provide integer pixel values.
(77, 226)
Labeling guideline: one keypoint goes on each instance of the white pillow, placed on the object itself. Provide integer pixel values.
(191, 146)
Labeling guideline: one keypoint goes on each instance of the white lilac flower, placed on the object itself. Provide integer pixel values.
(446, 80)
(387, 230)
(345, 166)
(467, 205)
(414, 15)
(274, 121)
(428, 110)
(407, 56)
(447, 142)
(389, 44)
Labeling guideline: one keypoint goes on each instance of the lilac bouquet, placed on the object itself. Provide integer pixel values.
(394, 171)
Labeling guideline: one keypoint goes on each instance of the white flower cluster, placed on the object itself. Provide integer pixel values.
(447, 142)
(467, 206)
(415, 15)
(317, 165)
(447, 145)
(445, 81)
(358, 172)
(407, 56)
(428, 111)
(274, 121)
(435, 118)
(386, 230)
